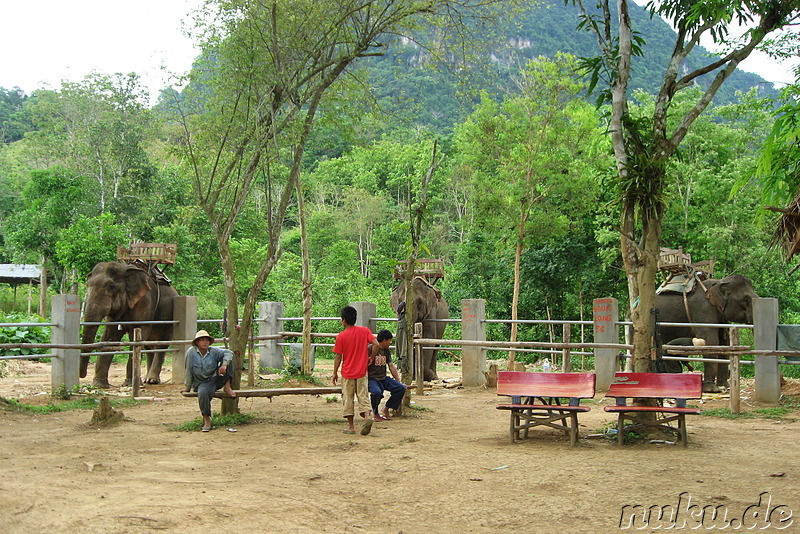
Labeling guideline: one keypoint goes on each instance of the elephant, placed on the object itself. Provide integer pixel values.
(728, 300)
(121, 292)
(428, 304)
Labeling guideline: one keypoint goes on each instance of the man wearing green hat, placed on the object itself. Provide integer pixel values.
(207, 370)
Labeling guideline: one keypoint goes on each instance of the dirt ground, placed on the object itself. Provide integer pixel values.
(445, 467)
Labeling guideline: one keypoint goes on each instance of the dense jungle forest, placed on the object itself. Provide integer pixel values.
(496, 153)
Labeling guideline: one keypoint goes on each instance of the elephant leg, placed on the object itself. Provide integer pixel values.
(101, 367)
(710, 377)
(429, 364)
(723, 375)
(129, 371)
(155, 361)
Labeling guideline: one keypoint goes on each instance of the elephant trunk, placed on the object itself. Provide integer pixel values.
(92, 313)
(89, 333)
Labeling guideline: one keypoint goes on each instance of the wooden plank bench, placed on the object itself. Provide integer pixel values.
(536, 400)
(274, 392)
(659, 386)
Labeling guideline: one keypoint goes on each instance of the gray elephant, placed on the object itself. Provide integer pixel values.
(728, 300)
(428, 304)
(121, 292)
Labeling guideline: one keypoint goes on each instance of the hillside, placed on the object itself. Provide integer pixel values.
(410, 86)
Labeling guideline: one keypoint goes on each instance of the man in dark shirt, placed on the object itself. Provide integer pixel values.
(381, 358)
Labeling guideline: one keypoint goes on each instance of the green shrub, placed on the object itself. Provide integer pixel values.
(22, 334)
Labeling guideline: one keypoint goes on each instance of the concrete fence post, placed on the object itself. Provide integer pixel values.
(270, 324)
(473, 328)
(66, 315)
(605, 313)
(367, 312)
(765, 337)
(184, 311)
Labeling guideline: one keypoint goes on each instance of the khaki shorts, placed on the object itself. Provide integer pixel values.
(355, 387)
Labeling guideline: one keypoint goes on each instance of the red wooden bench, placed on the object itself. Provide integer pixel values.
(536, 400)
(658, 386)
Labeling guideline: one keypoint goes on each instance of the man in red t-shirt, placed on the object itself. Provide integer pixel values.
(351, 353)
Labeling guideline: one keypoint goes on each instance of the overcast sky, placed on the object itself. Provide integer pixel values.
(45, 41)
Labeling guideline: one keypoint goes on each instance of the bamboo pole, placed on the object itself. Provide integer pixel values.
(136, 375)
(418, 367)
(734, 374)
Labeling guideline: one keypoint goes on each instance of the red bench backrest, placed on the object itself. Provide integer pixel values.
(657, 385)
(561, 385)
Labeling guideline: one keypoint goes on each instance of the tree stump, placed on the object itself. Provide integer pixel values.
(491, 376)
(105, 415)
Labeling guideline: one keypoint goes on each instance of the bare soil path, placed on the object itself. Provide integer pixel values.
(447, 467)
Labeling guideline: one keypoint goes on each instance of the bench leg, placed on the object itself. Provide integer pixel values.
(573, 431)
(620, 428)
(514, 425)
(682, 433)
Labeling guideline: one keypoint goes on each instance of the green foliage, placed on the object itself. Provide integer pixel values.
(22, 334)
(88, 241)
(773, 412)
(82, 403)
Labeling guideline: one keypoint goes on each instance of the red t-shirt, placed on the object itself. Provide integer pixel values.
(352, 344)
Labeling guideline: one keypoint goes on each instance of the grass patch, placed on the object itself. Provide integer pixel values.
(772, 412)
(609, 431)
(217, 420)
(83, 403)
(418, 408)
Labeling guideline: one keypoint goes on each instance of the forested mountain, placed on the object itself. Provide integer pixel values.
(409, 85)
(96, 167)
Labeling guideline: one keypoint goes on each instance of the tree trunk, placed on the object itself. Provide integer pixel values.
(236, 340)
(646, 276)
(308, 301)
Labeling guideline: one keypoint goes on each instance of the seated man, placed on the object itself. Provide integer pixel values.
(207, 370)
(379, 358)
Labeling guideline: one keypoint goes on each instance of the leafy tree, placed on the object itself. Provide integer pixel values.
(524, 153)
(643, 145)
(247, 116)
(53, 200)
(97, 128)
(88, 241)
(13, 122)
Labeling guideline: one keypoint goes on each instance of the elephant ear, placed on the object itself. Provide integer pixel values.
(137, 284)
(398, 296)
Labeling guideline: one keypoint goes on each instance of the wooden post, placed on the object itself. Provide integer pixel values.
(419, 373)
(269, 324)
(252, 362)
(566, 365)
(136, 378)
(734, 377)
(473, 328)
(184, 311)
(606, 317)
(765, 327)
(65, 366)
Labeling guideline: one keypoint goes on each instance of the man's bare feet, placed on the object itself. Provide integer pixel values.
(228, 390)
